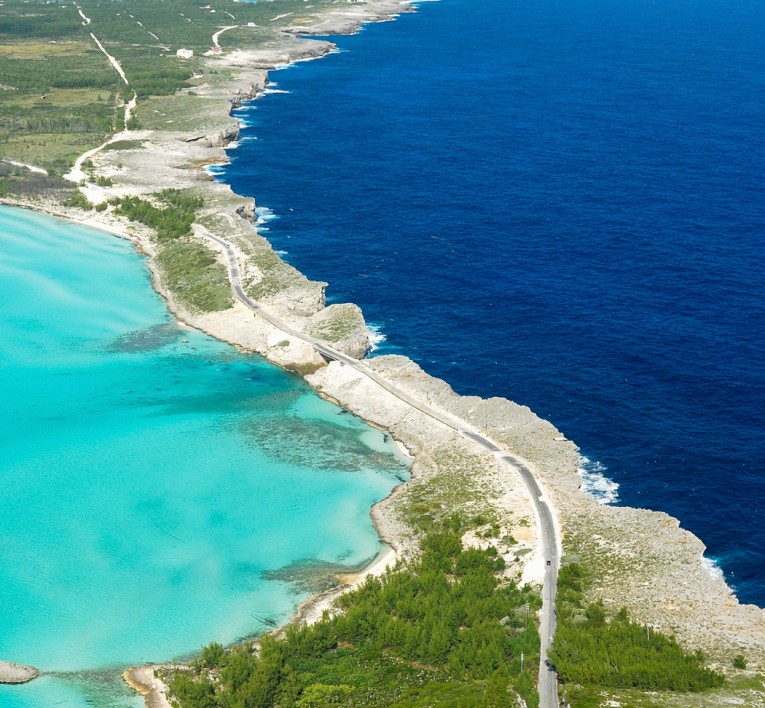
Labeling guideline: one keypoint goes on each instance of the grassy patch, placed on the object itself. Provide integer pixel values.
(124, 145)
(340, 322)
(277, 276)
(181, 112)
(427, 502)
(195, 277)
(56, 152)
(335, 329)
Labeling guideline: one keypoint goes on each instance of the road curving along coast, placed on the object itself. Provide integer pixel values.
(501, 453)
(549, 541)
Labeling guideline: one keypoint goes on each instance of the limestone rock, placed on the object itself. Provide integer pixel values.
(301, 299)
(247, 210)
(292, 353)
(343, 327)
(223, 137)
(16, 673)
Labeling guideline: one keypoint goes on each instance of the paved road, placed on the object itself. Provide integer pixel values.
(548, 685)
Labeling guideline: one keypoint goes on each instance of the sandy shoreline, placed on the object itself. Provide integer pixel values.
(142, 679)
(650, 564)
(113, 228)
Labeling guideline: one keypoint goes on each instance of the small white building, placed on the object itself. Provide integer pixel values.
(185, 53)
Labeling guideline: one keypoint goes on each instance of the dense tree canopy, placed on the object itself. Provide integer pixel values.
(441, 631)
(171, 221)
(589, 650)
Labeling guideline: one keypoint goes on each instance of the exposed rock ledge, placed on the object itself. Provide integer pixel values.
(641, 559)
(143, 680)
(16, 673)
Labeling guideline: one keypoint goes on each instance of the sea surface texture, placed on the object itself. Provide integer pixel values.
(558, 202)
(160, 490)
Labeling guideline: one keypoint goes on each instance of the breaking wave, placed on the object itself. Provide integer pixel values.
(262, 216)
(272, 88)
(711, 566)
(595, 483)
(376, 337)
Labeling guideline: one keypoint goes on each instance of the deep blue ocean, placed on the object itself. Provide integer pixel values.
(558, 202)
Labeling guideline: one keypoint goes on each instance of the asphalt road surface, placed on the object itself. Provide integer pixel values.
(548, 684)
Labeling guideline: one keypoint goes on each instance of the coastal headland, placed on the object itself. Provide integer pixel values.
(637, 559)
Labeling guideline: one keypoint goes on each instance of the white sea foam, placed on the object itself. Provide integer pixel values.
(711, 566)
(281, 253)
(264, 215)
(595, 483)
(214, 170)
(282, 67)
(376, 337)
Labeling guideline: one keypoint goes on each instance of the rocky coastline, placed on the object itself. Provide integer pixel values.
(643, 560)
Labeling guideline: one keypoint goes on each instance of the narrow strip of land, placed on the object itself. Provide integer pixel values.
(548, 534)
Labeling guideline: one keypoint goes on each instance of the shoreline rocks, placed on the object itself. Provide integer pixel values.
(13, 673)
(642, 560)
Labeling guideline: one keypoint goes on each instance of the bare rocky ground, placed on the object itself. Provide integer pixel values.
(16, 673)
(641, 560)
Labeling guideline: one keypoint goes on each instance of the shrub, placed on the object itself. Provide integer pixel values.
(590, 652)
(79, 200)
(440, 631)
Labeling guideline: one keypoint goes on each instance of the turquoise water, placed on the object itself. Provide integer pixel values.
(160, 490)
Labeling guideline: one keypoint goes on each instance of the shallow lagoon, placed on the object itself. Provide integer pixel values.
(154, 480)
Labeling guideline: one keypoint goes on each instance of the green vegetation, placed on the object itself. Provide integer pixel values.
(190, 269)
(335, 329)
(428, 502)
(79, 200)
(59, 94)
(592, 653)
(124, 145)
(444, 630)
(170, 221)
(195, 277)
(739, 661)
(342, 321)
(20, 182)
